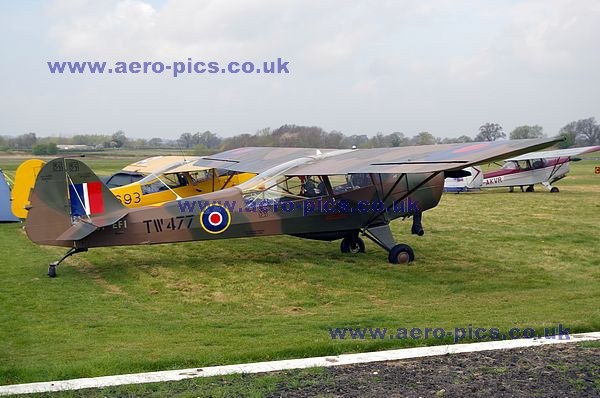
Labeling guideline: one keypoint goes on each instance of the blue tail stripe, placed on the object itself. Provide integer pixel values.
(76, 194)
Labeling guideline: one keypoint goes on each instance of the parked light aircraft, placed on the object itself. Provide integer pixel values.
(546, 168)
(71, 207)
(173, 177)
(471, 182)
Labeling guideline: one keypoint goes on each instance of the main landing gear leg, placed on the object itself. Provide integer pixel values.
(550, 188)
(377, 226)
(53, 265)
(352, 244)
(417, 227)
(397, 253)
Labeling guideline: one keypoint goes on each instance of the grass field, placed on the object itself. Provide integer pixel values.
(490, 259)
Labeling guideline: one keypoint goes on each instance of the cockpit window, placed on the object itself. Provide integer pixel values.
(164, 183)
(120, 179)
(284, 188)
(349, 182)
(203, 175)
(175, 180)
(539, 163)
(313, 186)
(512, 165)
(517, 165)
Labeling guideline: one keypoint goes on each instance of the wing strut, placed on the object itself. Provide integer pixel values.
(370, 220)
(555, 168)
(408, 193)
(381, 234)
(227, 182)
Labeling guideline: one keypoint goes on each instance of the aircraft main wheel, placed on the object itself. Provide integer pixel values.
(401, 254)
(529, 189)
(352, 245)
(554, 190)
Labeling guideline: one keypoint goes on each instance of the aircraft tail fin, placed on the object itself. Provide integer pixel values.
(24, 180)
(69, 202)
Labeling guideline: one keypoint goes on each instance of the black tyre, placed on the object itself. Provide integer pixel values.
(52, 271)
(529, 189)
(554, 190)
(401, 254)
(355, 245)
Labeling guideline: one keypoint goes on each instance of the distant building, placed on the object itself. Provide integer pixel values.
(74, 147)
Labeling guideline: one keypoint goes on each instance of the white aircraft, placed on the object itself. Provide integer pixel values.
(544, 168)
(469, 183)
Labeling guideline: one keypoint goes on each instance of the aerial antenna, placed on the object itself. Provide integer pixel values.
(181, 150)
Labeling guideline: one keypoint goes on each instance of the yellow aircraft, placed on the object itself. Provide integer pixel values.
(165, 178)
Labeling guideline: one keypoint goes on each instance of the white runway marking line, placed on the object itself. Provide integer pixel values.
(262, 367)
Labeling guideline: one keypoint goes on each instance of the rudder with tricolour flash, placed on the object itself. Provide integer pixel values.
(68, 202)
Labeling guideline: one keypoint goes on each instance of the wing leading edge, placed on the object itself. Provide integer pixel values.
(559, 153)
(256, 159)
(420, 159)
(415, 159)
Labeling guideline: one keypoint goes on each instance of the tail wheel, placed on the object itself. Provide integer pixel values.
(354, 245)
(554, 190)
(529, 189)
(401, 254)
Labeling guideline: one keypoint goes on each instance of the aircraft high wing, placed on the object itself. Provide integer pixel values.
(315, 194)
(412, 159)
(257, 159)
(558, 153)
(158, 164)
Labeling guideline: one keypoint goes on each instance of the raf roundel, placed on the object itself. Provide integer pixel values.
(215, 219)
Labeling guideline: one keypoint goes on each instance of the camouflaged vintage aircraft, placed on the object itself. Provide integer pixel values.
(71, 207)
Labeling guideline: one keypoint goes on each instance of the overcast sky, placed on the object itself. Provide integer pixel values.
(443, 66)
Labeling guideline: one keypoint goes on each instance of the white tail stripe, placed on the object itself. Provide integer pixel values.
(86, 198)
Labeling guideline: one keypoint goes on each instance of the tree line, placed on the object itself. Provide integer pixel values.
(582, 132)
